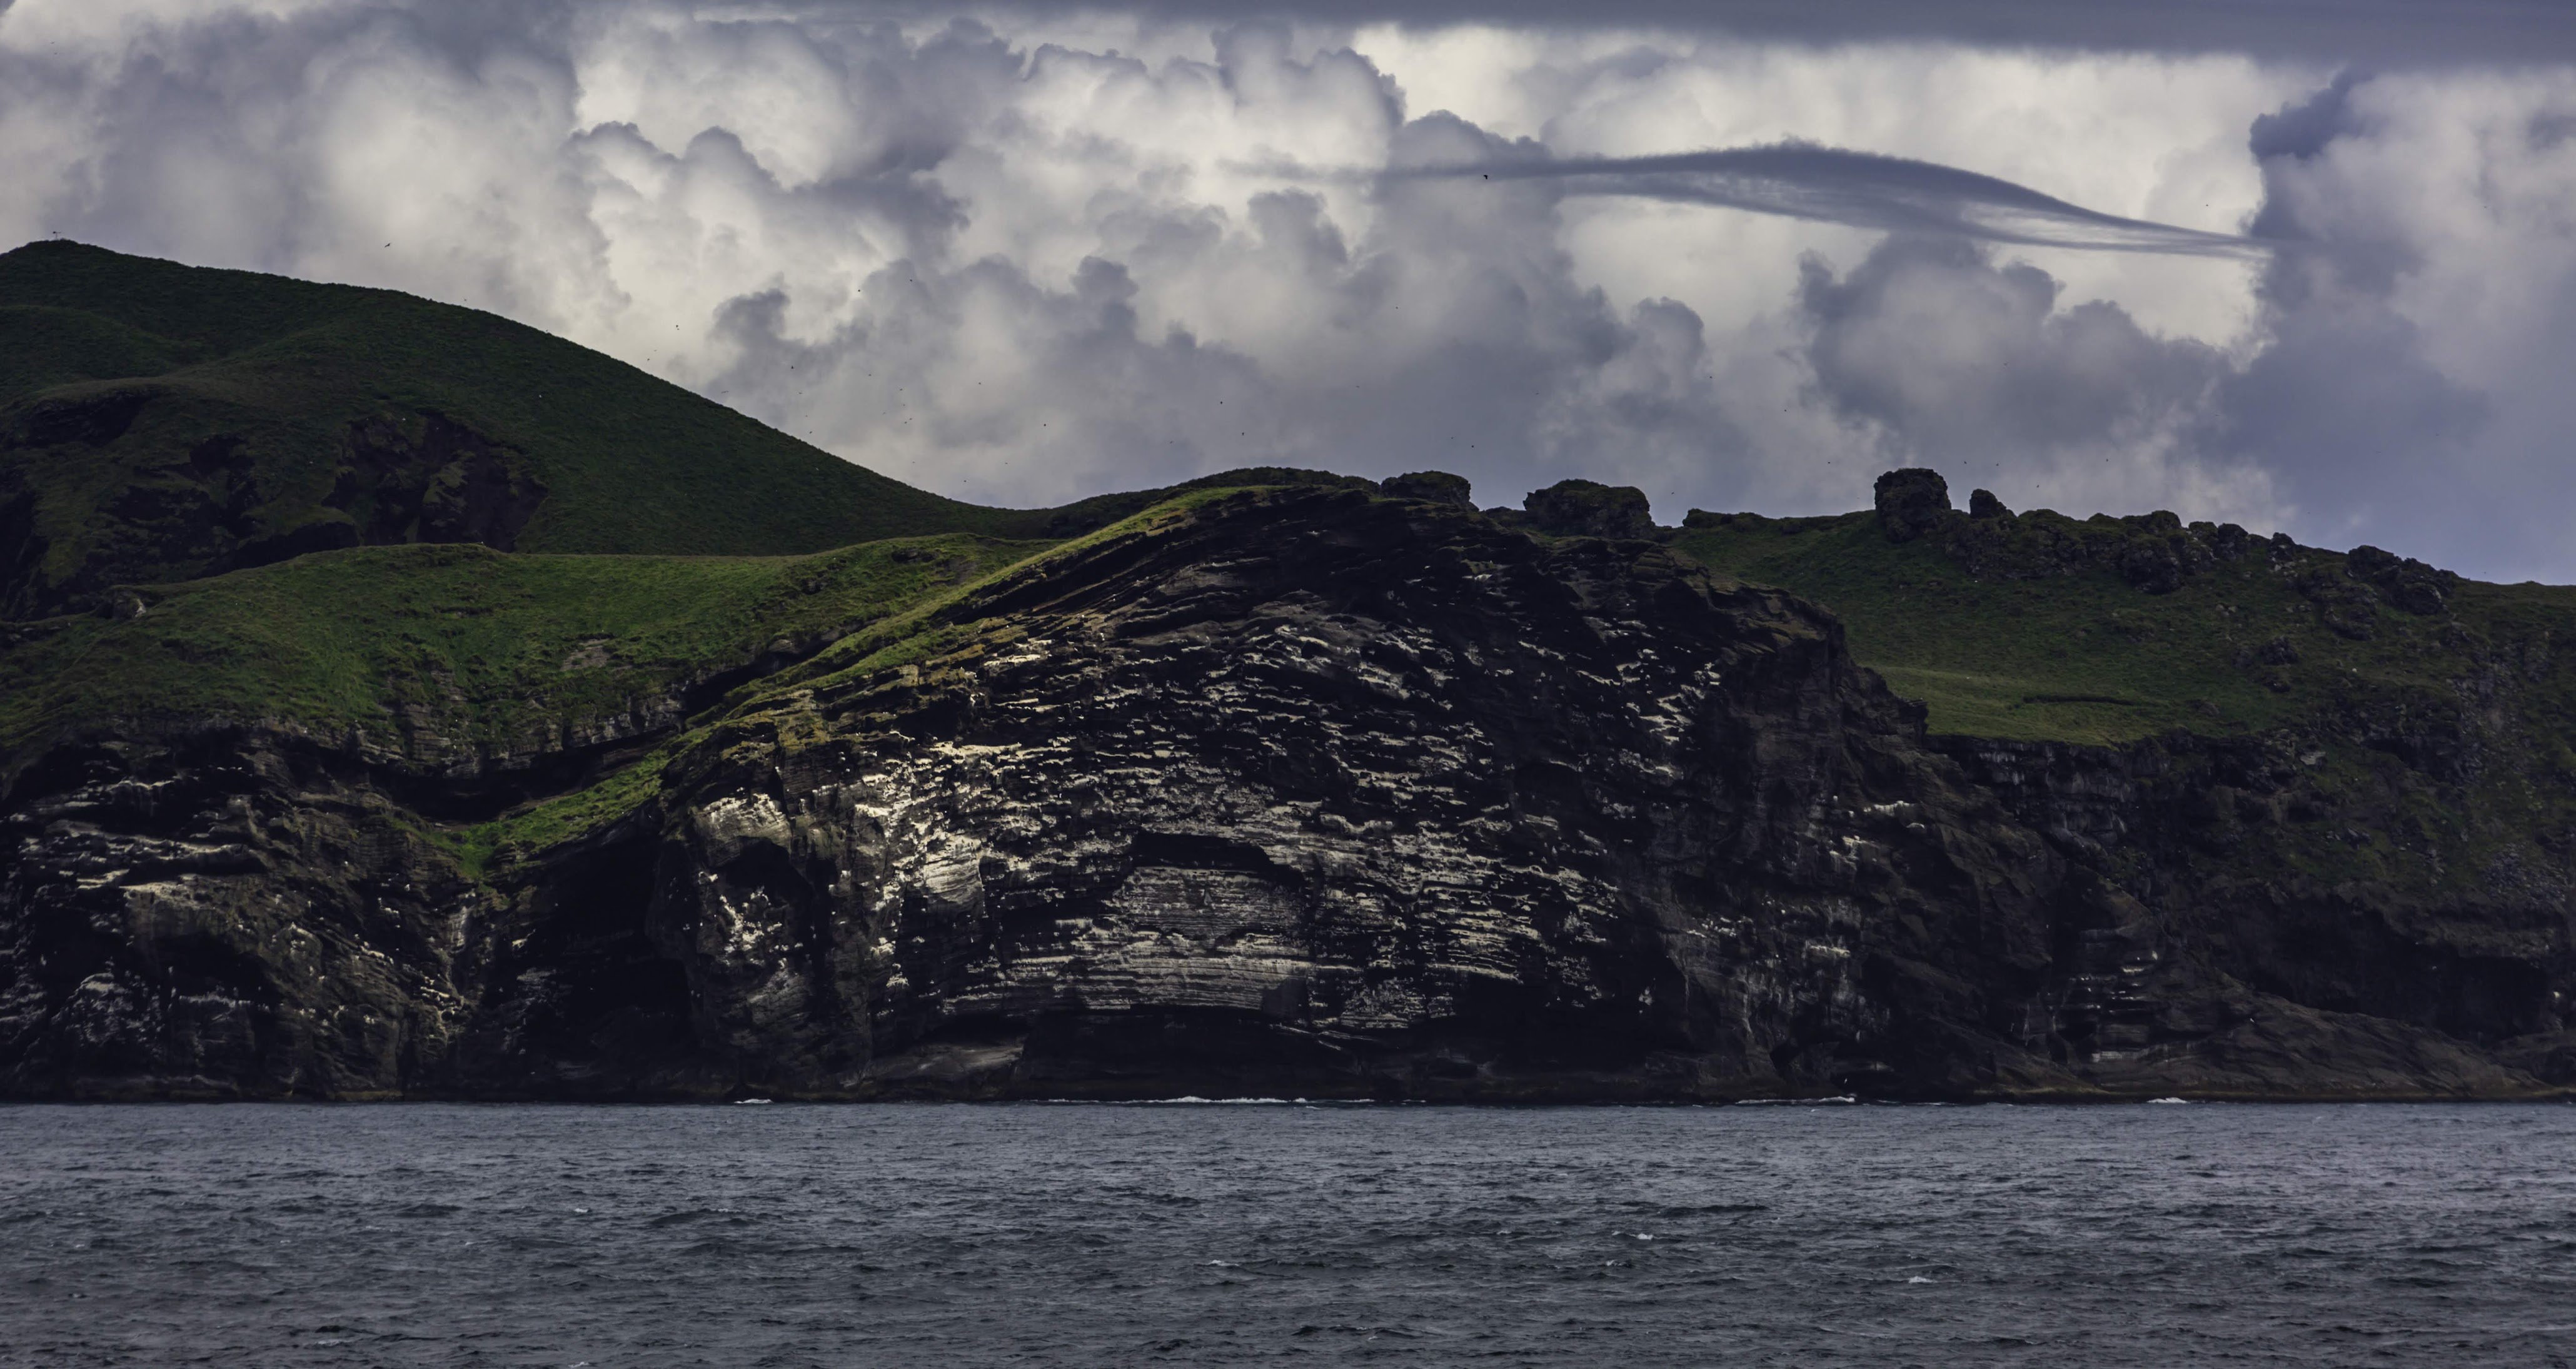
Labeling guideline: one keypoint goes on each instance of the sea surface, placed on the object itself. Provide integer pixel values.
(1077, 1234)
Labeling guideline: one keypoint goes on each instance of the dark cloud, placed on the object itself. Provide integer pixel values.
(1960, 360)
(2384, 33)
(1857, 189)
(2348, 415)
(2284, 143)
(2359, 427)
(2302, 130)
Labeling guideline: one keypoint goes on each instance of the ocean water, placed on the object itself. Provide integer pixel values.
(1281, 1233)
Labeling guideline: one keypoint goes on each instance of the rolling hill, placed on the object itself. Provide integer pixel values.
(161, 422)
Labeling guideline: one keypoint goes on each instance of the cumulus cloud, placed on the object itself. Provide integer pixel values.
(1042, 253)
(1949, 359)
(1009, 270)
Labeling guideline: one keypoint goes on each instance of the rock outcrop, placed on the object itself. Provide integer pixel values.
(1586, 508)
(1911, 502)
(1298, 791)
(1436, 487)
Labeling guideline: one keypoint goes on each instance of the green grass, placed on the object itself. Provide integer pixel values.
(910, 638)
(485, 847)
(466, 646)
(2090, 658)
(42, 346)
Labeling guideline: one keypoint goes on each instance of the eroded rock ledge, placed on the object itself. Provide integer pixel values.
(1307, 792)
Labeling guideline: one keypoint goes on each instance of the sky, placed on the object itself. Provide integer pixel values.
(2300, 265)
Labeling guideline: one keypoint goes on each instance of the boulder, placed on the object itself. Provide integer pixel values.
(1911, 502)
(1435, 487)
(1585, 508)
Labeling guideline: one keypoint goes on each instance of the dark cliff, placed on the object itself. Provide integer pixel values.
(1290, 791)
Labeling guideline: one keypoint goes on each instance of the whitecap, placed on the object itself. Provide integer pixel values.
(1918, 1279)
(747, 1102)
(2168, 1100)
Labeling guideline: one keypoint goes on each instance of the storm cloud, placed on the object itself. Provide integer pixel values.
(1039, 252)
(1957, 362)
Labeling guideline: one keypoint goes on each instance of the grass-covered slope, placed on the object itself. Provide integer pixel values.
(2088, 655)
(160, 422)
(458, 655)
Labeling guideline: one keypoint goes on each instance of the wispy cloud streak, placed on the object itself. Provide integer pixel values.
(1860, 189)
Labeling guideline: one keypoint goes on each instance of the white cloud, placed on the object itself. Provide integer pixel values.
(1058, 254)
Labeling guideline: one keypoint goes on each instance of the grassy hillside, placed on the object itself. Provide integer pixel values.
(2238, 646)
(456, 650)
(159, 421)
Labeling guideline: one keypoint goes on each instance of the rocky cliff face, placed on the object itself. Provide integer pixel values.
(1298, 792)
